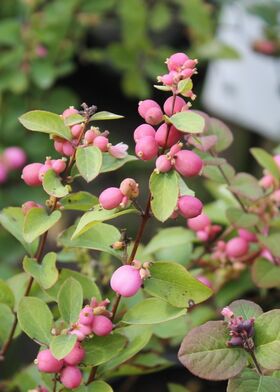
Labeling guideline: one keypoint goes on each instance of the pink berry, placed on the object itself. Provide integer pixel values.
(59, 166)
(154, 116)
(277, 160)
(3, 173)
(71, 377)
(101, 325)
(237, 247)
(85, 329)
(170, 109)
(47, 363)
(163, 164)
(30, 174)
(247, 235)
(68, 149)
(129, 188)
(58, 145)
(190, 63)
(101, 142)
(266, 181)
(43, 171)
(126, 281)
(86, 315)
(168, 79)
(146, 148)
(187, 73)
(28, 205)
(90, 135)
(75, 356)
(173, 136)
(76, 130)
(199, 222)
(14, 157)
(142, 131)
(68, 112)
(188, 163)
(146, 105)
(110, 198)
(176, 148)
(202, 235)
(204, 281)
(80, 335)
(189, 206)
(176, 61)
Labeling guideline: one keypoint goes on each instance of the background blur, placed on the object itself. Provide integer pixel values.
(56, 53)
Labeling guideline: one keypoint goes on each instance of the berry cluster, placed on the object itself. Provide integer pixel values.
(241, 331)
(12, 158)
(33, 173)
(114, 197)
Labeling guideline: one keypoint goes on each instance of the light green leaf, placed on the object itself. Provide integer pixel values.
(246, 309)
(221, 130)
(35, 319)
(46, 122)
(272, 242)
(80, 201)
(89, 162)
(246, 186)
(70, 300)
(6, 294)
(46, 273)
(265, 274)
(165, 191)
(53, 186)
(105, 116)
(37, 222)
(250, 381)
(110, 163)
(239, 218)
(99, 386)
(7, 319)
(62, 345)
(183, 187)
(73, 119)
(188, 122)
(266, 161)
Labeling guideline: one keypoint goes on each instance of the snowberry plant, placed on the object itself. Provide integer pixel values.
(108, 315)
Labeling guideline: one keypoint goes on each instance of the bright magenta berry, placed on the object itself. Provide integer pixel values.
(14, 157)
(30, 174)
(163, 164)
(59, 166)
(189, 206)
(75, 356)
(101, 142)
(69, 111)
(110, 198)
(237, 247)
(198, 223)
(146, 148)
(71, 377)
(76, 130)
(146, 105)
(126, 281)
(170, 108)
(188, 163)
(129, 188)
(68, 149)
(176, 61)
(86, 315)
(154, 116)
(47, 363)
(173, 136)
(142, 131)
(101, 325)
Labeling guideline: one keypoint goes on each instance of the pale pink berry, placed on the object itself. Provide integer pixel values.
(176, 148)
(47, 363)
(80, 335)
(76, 130)
(277, 160)
(266, 181)
(101, 325)
(126, 281)
(118, 151)
(190, 63)
(202, 235)
(28, 205)
(199, 222)
(237, 247)
(176, 61)
(204, 281)
(3, 173)
(43, 171)
(30, 174)
(129, 188)
(85, 329)
(101, 142)
(172, 106)
(68, 149)
(142, 131)
(227, 312)
(188, 163)
(247, 235)
(187, 73)
(90, 135)
(110, 198)
(86, 315)
(69, 112)
(75, 356)
(14, 157)
(59, 166)
(71, 377)
(168, 79)
(154, 116)
(146, 148)
(163, 164)
(58, 145)
(146, 105)
(173, 135)
(189, 206)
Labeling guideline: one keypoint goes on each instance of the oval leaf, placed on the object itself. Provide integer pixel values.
(265, 274)
(70, 300)
(105, 116)
(188, 122)
(6, 294)
(80, 201)
(250, 381)
(89, 162)
(53, 186)
(61, 345)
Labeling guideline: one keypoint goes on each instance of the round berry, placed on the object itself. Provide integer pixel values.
(110, 198)
(69, 111)
(30, 174)
(76, 130)
(154, 116)
(126, 281)
(189, 206)
(58, 145)
(71, 377)
(68, 149)
(75, 356)
(173, 135)
(59, 166)
(90, 135)
(172, 106)
(142, 131)
(188, 163)
(101, 142)
(146, 148)
(47, 363)
(199, 222)
(237, 247)
(163, 164)
(176, 61)
(146, 105)
(247, 235)
(101, 325)
(14, 157)
(86, 315)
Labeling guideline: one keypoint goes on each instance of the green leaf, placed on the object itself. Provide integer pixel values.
(62, 345)
(89, 162)
(43, 73)
(246, 186)
(266, 161)
(183, 187)
(267, 339)
(239, 218)
(204, 352)
(265, 274)
(37, 222)
(152, 311)
(70, 300)
(165, 191)
(35, 319)
(46, 273)
(105, 116)
(53, 186)
(46, 122)
(99, 386)
(214, 173)
(18, 284)
(184, 86)
(7, 319)
(246, 309)
(250, 381)
(221, 130)
(176, 388)
(100, 237)
(12, 219)
(188, 122)
(101, 349)
(80, 201)
(73, 119)
(6, 294)
(91, 218)
(272, 242)
(174, 284)
(110, 163)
